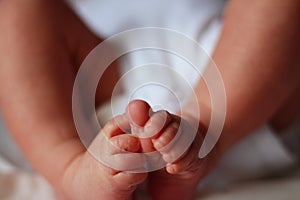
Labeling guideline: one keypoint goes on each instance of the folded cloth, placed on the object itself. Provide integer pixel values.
(261, 154)
(16, 184)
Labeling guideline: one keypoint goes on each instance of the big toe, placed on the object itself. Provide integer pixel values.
(138, 112)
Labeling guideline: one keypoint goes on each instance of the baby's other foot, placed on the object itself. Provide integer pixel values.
(179, 144)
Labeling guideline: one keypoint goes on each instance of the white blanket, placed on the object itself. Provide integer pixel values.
(17, 184)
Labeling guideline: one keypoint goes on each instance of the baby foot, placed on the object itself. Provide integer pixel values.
(171, 136)
(113, 170)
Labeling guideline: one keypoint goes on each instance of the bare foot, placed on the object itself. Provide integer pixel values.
(180, 177)
(102, 170)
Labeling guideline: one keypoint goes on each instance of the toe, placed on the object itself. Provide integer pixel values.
(138, 112)
(180, 143)
(157, 122)
(116, 126)
(166, 137)
(122, 154)
(126, 142)
(189, 162)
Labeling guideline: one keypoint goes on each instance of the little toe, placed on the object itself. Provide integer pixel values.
(188, 162)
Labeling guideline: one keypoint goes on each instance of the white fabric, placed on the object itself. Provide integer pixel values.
(190, 17)
(16, 184)
(260, 154)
